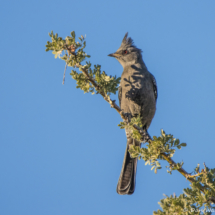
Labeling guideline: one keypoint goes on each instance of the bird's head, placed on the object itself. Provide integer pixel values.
(127, 54)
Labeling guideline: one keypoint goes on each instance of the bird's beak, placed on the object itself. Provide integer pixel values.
(114, 55)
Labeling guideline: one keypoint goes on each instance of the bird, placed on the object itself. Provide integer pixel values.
(137, 95)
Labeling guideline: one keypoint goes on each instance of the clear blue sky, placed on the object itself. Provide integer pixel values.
(61, 151)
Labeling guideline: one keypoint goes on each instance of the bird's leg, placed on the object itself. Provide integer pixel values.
(146, 136)
(128, 117)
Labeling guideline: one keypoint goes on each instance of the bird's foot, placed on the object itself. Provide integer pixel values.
(146, 136)
(128, 117)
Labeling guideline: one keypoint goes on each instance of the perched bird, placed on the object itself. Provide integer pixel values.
(137, 96)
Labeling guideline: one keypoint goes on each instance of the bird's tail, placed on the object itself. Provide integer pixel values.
(126, 183)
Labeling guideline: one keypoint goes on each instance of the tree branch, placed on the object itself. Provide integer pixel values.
(97, 87)
(91, 80)
(124, 117)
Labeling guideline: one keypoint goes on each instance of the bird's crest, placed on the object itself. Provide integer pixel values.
(127, 41)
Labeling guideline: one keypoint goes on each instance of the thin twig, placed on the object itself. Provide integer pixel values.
(196, 175)
(64, 74)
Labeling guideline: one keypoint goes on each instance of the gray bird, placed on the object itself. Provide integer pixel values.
(137, 96)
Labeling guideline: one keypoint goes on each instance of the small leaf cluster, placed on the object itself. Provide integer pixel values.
(193, 201)
(107, 84)
(131, 125)
(57, 43)
(121, 125)
(73, 54)
(206, 179)
(166, 143)
(183, 204)
(73, 51)
(147, 155)
(136, 134)
(152, 152)
(82, 82)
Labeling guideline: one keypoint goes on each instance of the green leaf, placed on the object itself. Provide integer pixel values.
(163, 133)
(147, 162)
(179, 147)
(177, 142)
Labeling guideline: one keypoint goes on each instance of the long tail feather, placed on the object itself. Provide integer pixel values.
(126, 183)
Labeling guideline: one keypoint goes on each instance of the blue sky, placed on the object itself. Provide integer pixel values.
(61, 150)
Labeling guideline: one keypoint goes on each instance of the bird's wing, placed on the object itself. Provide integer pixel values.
(120, 95)
(155, 88)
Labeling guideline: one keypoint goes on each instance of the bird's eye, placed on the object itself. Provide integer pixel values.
(125, 52)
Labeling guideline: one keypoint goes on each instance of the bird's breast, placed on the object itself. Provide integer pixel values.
(137, 94)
